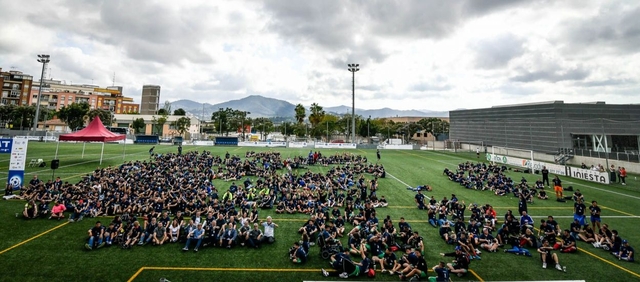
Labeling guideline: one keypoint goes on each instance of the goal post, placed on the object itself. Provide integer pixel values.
(469, 146)
(512, 156)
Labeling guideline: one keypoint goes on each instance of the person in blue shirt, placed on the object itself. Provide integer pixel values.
(195, 235)
(299, 255)
(348, 268)
(96, 236)
(419, 268)
(420, 200)
(526, 221)
(442, 273)
(626, 252)
(578, 212)
(228, 237)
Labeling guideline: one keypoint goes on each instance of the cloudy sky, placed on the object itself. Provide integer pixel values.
(427, 54)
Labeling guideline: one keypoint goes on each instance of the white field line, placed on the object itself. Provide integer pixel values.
(404, 183)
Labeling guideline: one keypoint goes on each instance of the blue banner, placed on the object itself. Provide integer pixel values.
(5, 146)
(16, 179)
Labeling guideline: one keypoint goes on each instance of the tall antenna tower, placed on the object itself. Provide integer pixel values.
(113, 82)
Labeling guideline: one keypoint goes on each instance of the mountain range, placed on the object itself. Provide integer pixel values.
(260, 106)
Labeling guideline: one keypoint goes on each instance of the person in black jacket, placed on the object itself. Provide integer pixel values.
(419, 269)
(460, 265)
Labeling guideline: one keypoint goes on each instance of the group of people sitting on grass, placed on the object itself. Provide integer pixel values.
(482, 176)
(475, 233)
(606, 238)
(217, 228)
(370, 242)
(184, 183)
(182, 186)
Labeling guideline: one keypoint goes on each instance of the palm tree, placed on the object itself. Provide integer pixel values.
(300, 113)
(317, 114)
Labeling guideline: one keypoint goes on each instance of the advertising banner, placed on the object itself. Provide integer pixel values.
(262, 144)
(17, 161)
(297, 144)
(335, 146)
(588, 175)
(5, 146)
(519, 162)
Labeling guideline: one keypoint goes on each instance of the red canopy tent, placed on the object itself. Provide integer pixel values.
(94, 132)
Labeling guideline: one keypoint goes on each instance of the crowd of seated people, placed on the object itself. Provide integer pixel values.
(518, 231)
(175, 199)
(481, 176)
(370, 240)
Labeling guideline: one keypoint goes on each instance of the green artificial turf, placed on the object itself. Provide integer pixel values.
(59, 254)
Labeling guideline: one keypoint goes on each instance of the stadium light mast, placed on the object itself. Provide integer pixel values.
(353, 68)
(44, 59)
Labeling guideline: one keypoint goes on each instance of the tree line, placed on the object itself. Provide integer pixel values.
(318, 124)
(77, 115)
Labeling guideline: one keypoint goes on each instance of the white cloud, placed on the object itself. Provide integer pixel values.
(412, 54)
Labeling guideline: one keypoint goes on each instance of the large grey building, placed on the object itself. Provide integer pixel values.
(548, 127)
(150, 100)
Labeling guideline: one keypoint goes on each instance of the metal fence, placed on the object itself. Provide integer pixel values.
(619, 156)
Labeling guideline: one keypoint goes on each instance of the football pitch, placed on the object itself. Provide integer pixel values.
(50, 250)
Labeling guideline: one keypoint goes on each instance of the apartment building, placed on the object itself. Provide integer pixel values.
(16, 87)
(57, 94)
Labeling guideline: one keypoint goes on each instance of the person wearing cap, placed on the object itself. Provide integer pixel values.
(546, 255)
(626, 252)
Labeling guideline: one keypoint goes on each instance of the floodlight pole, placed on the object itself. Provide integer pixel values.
(44, 59)
(368, 120)
(353, 68)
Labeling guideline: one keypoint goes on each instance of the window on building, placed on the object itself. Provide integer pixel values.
(582, 141)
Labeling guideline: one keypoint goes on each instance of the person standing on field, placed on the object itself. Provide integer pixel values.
(623, 175)
(612, 174)
(557, 187)
(545, 176)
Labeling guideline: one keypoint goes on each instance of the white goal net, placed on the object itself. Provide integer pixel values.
(511, 156)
